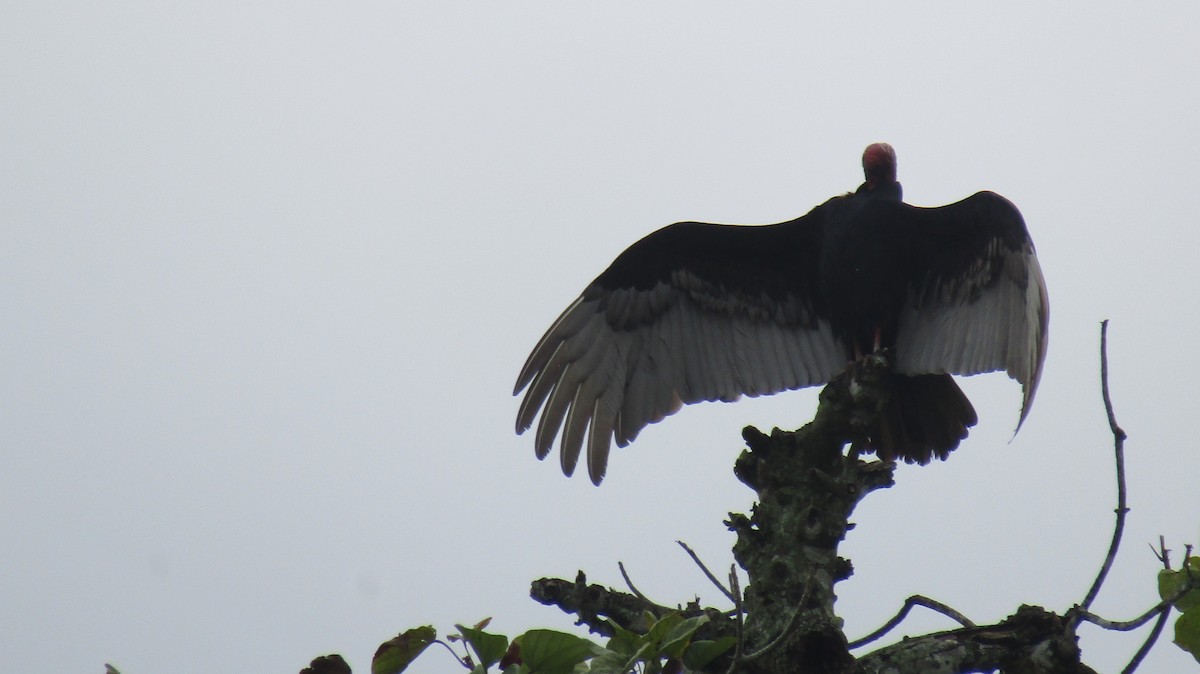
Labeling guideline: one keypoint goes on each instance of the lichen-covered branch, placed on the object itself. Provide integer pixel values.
(595, 605)
(1032, 640)
(807, 489)
(915, 600)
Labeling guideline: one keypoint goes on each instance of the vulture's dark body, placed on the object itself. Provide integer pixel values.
(863, 266)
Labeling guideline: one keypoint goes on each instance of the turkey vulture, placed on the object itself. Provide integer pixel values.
(699, 312)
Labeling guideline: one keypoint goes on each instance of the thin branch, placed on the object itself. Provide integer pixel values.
(1119, 451)
(1121, 625)
(463, 660)
(711, 577)
(1149, 643)
(1108, 408)
(915, 600)
(1127, 625)
(1162, 554)
(739, 624)
(629, 584)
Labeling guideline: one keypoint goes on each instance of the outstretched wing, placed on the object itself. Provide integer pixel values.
(692, 312)
(976, 297)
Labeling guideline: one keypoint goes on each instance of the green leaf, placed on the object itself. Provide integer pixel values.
(623, 641)
(1168, 583)
(396, 654)
(680, 636)
(1187, 633)
(551, 652)
(1191, 600)
(663, 627)
(609, 662)
(700, 653)
(1171, 582)
(489, 648)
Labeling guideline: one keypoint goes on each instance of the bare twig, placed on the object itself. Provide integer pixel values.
(1119, 451)
(915, 600)
(1108, 408)
(1148, 643)
(464, 660)
(1122, 625)
(740, 622)
(1127, 625)
(1162, 554)
(1162, 610)
(711, 577)
(629, 584)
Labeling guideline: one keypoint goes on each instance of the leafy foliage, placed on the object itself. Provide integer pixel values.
(667, 647)
(1187, 626)
(489, 648)
(551, 652)
(396, 654)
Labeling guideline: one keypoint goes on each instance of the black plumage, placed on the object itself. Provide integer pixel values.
(698, 312)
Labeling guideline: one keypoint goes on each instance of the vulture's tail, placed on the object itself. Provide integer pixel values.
(926, 416)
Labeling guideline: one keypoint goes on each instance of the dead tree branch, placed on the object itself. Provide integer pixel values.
(595, 605)
(1151, 639)
(629, 583)
(1119, 452)
(1031, 640)
(915, 600)
(708, 574)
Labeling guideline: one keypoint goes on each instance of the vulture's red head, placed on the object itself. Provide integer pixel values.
(879, 165)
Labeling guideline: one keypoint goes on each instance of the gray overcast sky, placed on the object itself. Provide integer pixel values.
(269, 271)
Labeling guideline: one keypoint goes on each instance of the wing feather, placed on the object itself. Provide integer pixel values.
(746, 368)
(605, 376)
(691, 313)
(977, 300)
(777, 379)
